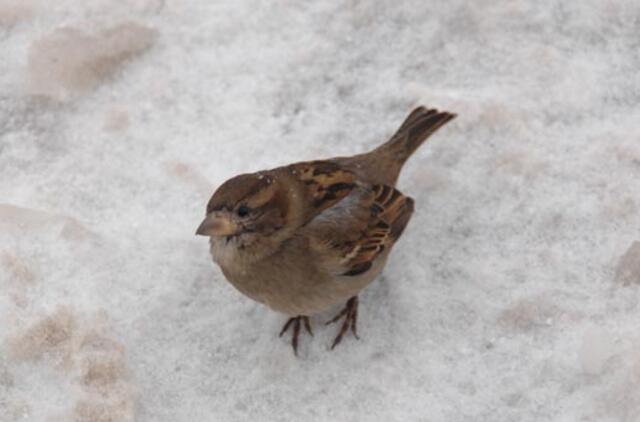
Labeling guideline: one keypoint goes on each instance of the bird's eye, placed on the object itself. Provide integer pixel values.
(243, 211)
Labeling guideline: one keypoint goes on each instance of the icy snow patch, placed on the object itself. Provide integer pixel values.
(496, 305)
(68, 61)
(628, 270)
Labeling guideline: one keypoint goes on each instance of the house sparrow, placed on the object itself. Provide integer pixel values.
(309, 235)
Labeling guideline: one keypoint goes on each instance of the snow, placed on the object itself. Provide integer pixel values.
(68, 61)
(513, 296)
(628, 269)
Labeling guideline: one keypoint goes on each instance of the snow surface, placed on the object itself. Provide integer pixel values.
(512, 297)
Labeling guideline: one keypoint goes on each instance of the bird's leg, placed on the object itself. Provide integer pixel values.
(307, 325)
(350, 314)
(296, 321)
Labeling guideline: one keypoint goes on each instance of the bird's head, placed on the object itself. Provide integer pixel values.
(248, 211)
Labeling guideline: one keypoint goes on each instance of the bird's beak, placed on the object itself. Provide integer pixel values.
(216, 224)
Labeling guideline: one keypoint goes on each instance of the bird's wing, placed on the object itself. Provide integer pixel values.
(348, 237)
(324, 183)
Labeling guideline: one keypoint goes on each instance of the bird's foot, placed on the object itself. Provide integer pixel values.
(296, 322)
(350, 314)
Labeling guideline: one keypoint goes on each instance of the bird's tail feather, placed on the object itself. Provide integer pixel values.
(416, 128)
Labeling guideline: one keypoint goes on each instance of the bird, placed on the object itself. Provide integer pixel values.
(308, 236)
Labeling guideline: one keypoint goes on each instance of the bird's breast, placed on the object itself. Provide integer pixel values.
(286, 281)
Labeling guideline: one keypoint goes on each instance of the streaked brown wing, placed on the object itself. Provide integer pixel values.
(390, 213)
(326, 183)
(350, 236)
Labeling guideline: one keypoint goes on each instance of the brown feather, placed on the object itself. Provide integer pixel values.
(383, 164)
(390, 212)
(325, 183)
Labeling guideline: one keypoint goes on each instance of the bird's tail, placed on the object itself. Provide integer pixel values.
(383, 164)
(416, 128)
